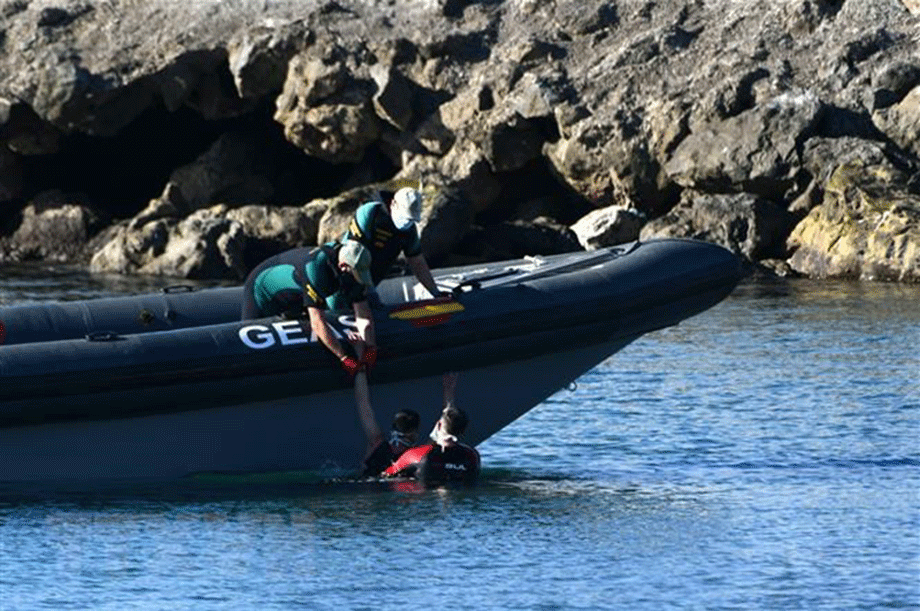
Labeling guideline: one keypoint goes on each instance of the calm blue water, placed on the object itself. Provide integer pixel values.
(763, 455)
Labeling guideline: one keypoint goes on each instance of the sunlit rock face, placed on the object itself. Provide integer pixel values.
(867, 226)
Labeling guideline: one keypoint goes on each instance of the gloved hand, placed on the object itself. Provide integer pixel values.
(350, 365)
(369, 357)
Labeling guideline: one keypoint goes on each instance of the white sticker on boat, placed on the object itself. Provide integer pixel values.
(285, 333)
(348, 320)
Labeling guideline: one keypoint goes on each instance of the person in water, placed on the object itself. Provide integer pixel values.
(446, 459)
(387, 229)
(302, 279)
(381, 452)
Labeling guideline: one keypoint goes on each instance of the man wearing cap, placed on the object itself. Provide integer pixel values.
(302, 279)
(386, 229)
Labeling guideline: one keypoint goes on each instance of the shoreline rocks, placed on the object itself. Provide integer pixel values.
(787, 132)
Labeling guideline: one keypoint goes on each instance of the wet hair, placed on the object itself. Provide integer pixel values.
(405, 421)
(455, 420)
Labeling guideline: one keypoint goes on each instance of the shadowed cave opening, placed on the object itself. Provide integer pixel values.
(532, 191)
(120, 174)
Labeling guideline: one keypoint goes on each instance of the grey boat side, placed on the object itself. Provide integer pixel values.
(527, 328)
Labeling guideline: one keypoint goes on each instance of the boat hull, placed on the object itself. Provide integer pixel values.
(318, 433)
(92, 392)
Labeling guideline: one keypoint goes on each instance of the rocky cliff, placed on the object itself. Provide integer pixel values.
(194, 138)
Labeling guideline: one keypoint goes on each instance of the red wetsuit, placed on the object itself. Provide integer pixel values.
(431, 464)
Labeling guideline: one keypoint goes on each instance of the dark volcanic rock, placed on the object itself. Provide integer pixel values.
(744, 223)
(756, 151)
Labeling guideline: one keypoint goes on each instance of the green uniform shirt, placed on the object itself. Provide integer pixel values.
(301, 278)
(373, 227)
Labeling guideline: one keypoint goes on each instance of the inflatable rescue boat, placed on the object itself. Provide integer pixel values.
(168, 385)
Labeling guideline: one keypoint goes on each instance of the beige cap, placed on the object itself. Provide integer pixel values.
(358, 258)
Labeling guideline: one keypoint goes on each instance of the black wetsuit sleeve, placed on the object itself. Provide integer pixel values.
(381, 458)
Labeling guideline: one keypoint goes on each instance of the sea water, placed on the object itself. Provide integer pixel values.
(762, 455)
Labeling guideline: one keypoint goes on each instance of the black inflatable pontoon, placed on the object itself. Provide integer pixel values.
(167, 385)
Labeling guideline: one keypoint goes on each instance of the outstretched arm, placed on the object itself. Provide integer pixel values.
(406, 464)
(419, 267)
(450, 389)
(366, 412)
(364, 321)
(324, 333)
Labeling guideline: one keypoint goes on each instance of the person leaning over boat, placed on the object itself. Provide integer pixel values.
(302, 279)
(388, 229)
(446, 459)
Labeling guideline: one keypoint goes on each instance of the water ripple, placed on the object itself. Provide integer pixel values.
(762, 455)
